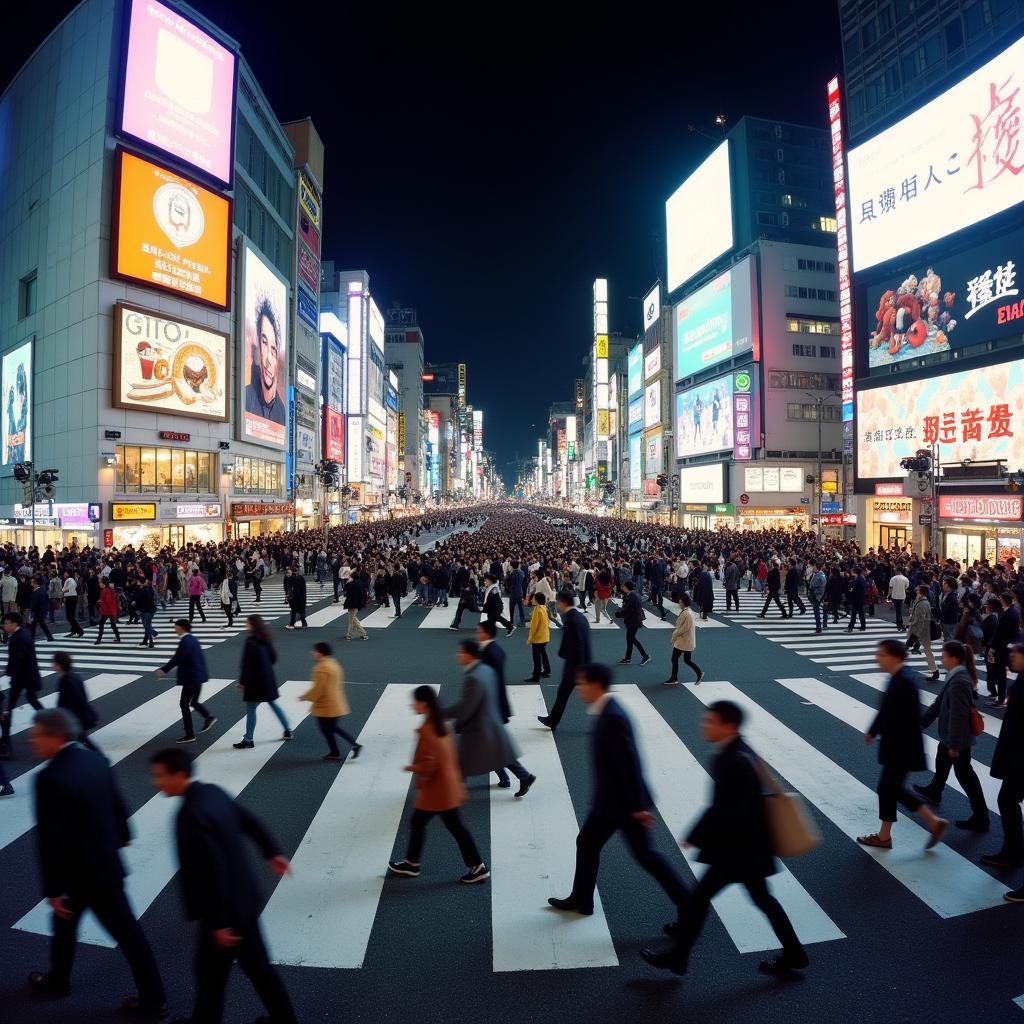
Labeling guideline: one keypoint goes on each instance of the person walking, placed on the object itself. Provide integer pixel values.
(72, 696)
(603, 584)
(835, 592)
(632, 615)
(256, 680)
(735, 843)
(23, 671)
(792, 587)
(439, 790)
(191, 665)
(919, 629)
(1008, 627)
(492, 604)
(773, 587)
(704, 592)
(857, 595)
(901, 749)
(81, 827)
(69, 589)
(621, 800)
(327, 695)
(296, 589)
(816, 588)
(355, 598)
(684, 641)
(516, 591)
(109, 610)
(897, 593)
(196, 589)
(731, 580)
(219, 889)
(949, 608)
(537, 639)
(226, 600)
(398, 580)
(574, 650)
(39, 606)
(145, 603)
(952, 709)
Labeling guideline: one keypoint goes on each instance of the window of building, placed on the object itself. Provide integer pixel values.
(257, 476)
(764, 217)
(976, 18)
(827, 224)
(145, 469)
(869, 32)
(932, 50)
(787, 199)
(885, 19)
(806, 351)
(807, 325)
(809, 411)
(28, 291)
(827, 351)
(803, 380)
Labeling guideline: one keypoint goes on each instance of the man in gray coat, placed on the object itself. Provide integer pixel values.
(484, 743)
(732, 584)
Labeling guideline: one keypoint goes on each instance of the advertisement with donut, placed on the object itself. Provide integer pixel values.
(169, 365)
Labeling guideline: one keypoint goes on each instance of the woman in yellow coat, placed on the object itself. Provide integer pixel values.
(328, 697)
(538, 637)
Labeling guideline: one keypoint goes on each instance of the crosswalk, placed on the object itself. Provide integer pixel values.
(325, 915)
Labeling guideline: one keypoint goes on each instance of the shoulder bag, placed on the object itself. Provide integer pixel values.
(792, 830)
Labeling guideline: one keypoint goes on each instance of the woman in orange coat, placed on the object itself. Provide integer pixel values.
(439, 790)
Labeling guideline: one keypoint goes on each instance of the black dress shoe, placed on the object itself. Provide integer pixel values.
(927, 794)
(672, 928)
(784, 963)
(663, 961)
(1002, 860)
(545, 721)
(40, 982)
(973, 824)
(569, 904)
(156, 1011)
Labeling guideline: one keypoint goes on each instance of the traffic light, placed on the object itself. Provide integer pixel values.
(46, 480)
(22, 471)
(662, 481)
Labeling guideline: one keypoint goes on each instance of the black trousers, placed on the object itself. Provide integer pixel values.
(965, 774)
(631, 642)
(768, 600)
(714, 880)
(517, 770)
(213, 966)
(329, 728)
(792, 599)
(1011, 793)
(298, 613)
(595, 833)
(257, 587)
(541, 665)
(37, 622)
(890, 790)
(732, 597)
(70, 606)
(507, 623)
(514, 604)
(854, 612)
(113, 911)
(226, 608)
(104, 619)
(397, 599)
(452, 822)
(565, 690)
(897, 606)
(195, 604)
(190, 700)
(687, 657)
(13, 696)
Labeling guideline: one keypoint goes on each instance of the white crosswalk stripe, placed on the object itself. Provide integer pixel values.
(96, 687)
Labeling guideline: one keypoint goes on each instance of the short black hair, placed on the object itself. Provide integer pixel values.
(893, 647)
(184, 624)
(471, 647)
(173, 760)
(728, 711)
(62, 659)
(488, 627)
(596, 672)
(14, 617)
(539, 598)
(322, 647)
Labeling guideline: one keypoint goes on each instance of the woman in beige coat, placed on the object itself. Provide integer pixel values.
(684, 642)
(328, 697)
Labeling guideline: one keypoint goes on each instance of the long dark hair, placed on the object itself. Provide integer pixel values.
(259, 629)
(965, 655)
(426, 695)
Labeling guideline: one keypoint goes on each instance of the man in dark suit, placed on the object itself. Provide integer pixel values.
(39, 606)
(621, 801)
(219, 888)
(398, 581)
(632, 615)
(354, 601)
(901, 749)
(857, 596)
(574, 651)
(297, 600)
(81, 825)
(516, 591)
(1007, 628)
(72, 695)
(656, 569)
(772, 587)
(23, 670)
(735, 843)
(704, 592)
(1008, 766)
(793, 588)
(191, 665)
(492, 604)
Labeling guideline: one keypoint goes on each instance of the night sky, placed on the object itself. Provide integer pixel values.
(485, 164)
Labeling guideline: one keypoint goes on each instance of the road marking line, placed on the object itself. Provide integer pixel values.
(326, 615)
(439, 618)
(96, 687)
(380, 618)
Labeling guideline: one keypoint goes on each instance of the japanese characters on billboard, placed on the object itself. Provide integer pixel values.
(715, 323)
(941, 302)
(972, 414)
(704, 418)
(169, 232)
(334, 435)
(635, 370)
(169, 365)
(954, 162)
(835, 125)
(636, 461)
(16, 383)
(653, 461)
(263, 380)
(652, 405)
(698, 218)
(178, 90)
(635, 420)
(652, 363)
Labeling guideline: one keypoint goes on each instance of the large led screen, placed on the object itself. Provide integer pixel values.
(635, 370)
(169, 233)
(652, 405)
(636, 461)
(715, 323)
(704, 418)
(263, 378)
(702, 483)
(16, 383)
(972, 414)
(950, 164)
(178, 90)
(169, 365)
(698, 218)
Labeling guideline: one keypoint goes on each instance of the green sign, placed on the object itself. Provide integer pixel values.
(741, 382)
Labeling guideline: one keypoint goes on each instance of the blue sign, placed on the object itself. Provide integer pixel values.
(307, 307)
(831, 506)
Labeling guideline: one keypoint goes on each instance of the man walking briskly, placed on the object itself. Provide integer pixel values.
(23, 670)
(354, 601)
(816, 586)
(574, 650)
(773, 586)
(295, 587)
(191, 665)
(857, 596)
(732, 584)
(621, 801)
(219, 888)
(492, 604)
(82, 824)
(632, 615)
(735, 843)
(793, 588)
(39, 606)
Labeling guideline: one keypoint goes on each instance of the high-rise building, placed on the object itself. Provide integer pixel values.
(403, 350)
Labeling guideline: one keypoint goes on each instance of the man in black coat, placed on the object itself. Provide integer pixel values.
(72, 695)
(772, 587)
(39, 606)
(296, 589)
(857, 596)
(192, 673)
(998, 654)
(516, 592)
(735, 843)
(704, 592)
(398, 581)
(219, 888)
(23, 670)
(574, 651)
(621, 801)
(354, 601)
(81, 826)
(632, 615)
(492, 604)
(793, 588)
(901, 749)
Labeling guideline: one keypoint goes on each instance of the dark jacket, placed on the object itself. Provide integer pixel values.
(858, 592)
(22, 666)
(1008, 757)
(733, 832)
(1007, 628)
(354, 597)
(82, 823)
(632, 611)
(899, 723)
(257, 672)
(145, 599)
(949, 609)
(952, 708)
(515, 584)
(297, 592)
(773, 581)
(71, 696)
(493, 606)
(494, 656)
(704, 592)
(215, 874)
(39, 604)
(619, 786)
(189, 661)
(793, 581)
(574, 648)
(398, 581)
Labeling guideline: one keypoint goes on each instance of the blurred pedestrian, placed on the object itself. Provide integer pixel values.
(256, 680)
(327, 695)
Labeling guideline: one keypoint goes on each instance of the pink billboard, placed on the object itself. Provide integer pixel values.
(178, 90)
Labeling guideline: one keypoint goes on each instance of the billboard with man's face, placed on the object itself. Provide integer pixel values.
(263, 375)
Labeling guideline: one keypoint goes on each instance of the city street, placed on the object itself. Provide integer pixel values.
(359, 946)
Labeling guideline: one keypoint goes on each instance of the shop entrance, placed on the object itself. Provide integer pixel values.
(243, 528)
(699, 522)
(175, 537)
(892, 536)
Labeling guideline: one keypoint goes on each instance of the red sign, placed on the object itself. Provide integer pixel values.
(835, 121)
(744, 499)
(173, 435)
(889, 490)
(108, 538)
(839, 519)
(1005, 507)
(310, 235)
(309, 269)
(651, 488)
(334, 435)
(245, 509)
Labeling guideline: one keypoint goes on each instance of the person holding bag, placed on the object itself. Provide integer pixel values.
(735, 841)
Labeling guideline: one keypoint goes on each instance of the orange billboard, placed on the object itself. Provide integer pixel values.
(170, 233)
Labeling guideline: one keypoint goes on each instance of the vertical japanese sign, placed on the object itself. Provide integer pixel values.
(835, 120)
(743, 416)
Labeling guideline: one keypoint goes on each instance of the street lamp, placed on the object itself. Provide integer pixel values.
(819, 401)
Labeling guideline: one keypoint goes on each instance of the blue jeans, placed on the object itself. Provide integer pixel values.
(816, 608)
(421, 592)
(250, 717)
(442, 595)
(147, 625)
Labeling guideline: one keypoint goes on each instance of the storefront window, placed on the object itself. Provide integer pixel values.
(191, 473)
(257, 476)
(163, 470)
(131, 469)
(240, 472)
(177, 469)
(262, 482)
(150, 470)
(204, 472)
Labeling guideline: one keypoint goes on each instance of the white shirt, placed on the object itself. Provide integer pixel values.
(70, 588)
(598, 706)
(898, 586)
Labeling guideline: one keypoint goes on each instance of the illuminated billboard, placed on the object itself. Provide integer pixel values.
(334, 435)
(169, 233)
(636, 461)
(635, 370)
(715, 323)
(652, 405)
(164, 364)
(702, 483)
(952, 163)
(652, 307)
(975, 415)
(178, 90)
(654, 462)
(698, 219)
(16, 383)
(704, 418)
